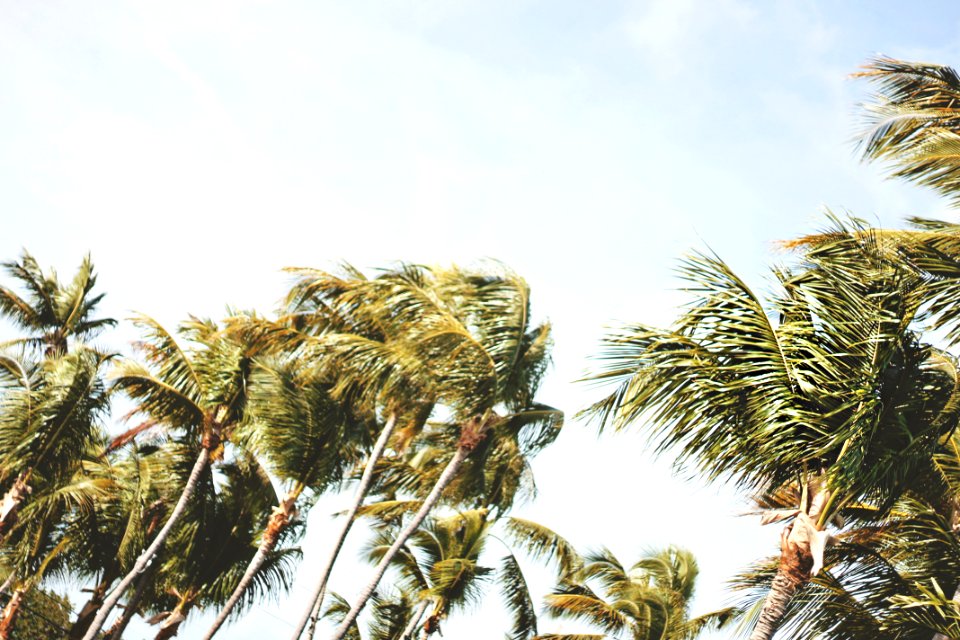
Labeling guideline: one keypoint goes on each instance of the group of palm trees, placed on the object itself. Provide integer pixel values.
(832, 403)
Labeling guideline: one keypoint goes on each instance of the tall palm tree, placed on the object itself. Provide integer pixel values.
(49, 311)
(410, 342)
(840, 395)
(651, 600)
(470, 337)
(200, 393)
(308, 440)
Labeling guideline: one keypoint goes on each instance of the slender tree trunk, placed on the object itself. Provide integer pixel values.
(8, 582)
(312, 612)
(89, 610)
(10, 614)
(793, 572)
(279, 519)
(202, 461)
(470, 436)
(116, 631)
(411, 629)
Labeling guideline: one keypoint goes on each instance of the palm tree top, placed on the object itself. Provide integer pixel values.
(52, 311)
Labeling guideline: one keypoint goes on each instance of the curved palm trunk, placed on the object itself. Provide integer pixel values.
(279, 519)
(312, 612)
(116, 631)
(10, 613)
(411, 629)
(89, 610)
(199, 466)
(471, 435)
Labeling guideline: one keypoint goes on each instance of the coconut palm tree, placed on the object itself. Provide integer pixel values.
(308, 440)
(840, 395)
(50, 413)
(470, 338)
(448, 564)
(199, 393)
(50, 312)
(649, 600)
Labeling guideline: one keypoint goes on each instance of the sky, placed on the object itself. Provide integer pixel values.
(195, 149)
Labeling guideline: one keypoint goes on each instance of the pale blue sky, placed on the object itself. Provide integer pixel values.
(195, 148)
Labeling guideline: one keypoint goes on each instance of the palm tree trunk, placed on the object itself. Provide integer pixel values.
(279, 519)
(201, 464)
(10, 613)
(312, 612)
(411, 629)
(793, 572)
(89, 610)
(470, 436)
(116, 631)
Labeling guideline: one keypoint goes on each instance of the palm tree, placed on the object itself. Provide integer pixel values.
(200, 393)
(649, 600)
(308, 440)
(103, 541)
(50, 414)
(49, 311)
(35, 546)
(840, 396)
(208, 555)
(447, 565)
(913, 122)
(468, 337)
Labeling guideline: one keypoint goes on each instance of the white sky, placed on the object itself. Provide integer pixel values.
(196, 148)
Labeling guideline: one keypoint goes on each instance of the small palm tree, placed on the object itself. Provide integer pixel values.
(49, 311)
(651, 600)
(448, 565)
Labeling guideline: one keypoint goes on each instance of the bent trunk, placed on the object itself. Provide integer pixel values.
(471, 435)
(10, 614)
(203, 460)
(279, 519)
(86, 615)
(116, 631)
(312, 612)
(793, 572)
(411, 629)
